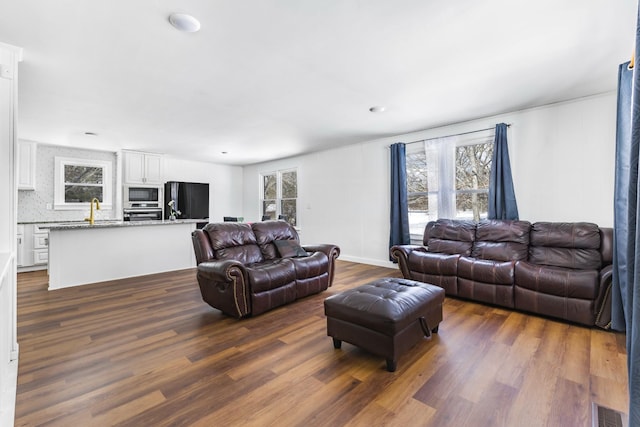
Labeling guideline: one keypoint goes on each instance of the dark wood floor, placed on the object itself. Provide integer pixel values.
(149, 352)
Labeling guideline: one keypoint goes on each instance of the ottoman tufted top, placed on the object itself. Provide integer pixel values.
(386, 305)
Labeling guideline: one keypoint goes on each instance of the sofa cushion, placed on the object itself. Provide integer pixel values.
(436, 269)
(270, 274)
(571, 245)
(233, 241)
(266, 232)
(442, 264)
(450, 236)
(501, 240)
(583, 235)
(487, 271)
(564, 282)
(311, 266)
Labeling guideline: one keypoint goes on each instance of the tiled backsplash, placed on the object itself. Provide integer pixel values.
(32, 205)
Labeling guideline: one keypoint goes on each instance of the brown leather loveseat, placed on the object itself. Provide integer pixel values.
(561, 270)
(247, 269)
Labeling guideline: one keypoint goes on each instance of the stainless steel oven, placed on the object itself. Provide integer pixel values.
(142, 203)
(142, 214)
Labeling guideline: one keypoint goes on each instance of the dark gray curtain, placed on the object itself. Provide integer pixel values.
(399, 234)
(625, 299)
(502, 197)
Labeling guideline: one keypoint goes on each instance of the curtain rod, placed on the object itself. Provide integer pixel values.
(455, 134)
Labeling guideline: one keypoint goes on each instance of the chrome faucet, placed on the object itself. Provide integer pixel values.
(91, 218)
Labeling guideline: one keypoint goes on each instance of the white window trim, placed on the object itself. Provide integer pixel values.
(279, 198)
(58, 187)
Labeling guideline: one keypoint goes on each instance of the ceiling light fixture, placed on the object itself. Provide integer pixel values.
(184, 22)
(377, 109)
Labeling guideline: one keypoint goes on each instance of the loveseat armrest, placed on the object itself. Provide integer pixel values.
(603, 300)
(219, 270)
(224, 285)
(331, 251)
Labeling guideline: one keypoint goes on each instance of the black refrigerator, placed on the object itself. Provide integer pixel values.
(191, 199)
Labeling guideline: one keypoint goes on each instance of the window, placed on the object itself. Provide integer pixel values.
(280, 195)
(78, 181)
(448, 178)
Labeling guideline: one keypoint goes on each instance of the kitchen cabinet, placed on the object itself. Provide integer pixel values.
(76, 259)
(142, 168)
(27, 165)
(33, 247)
(40, 245)
(20, 245)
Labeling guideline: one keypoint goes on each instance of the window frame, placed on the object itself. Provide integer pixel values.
(59, 182)
(478, 140)
(279, 196)
(446, 160)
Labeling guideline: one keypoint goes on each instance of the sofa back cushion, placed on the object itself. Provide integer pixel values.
(500, 240)
(267, 232)
(571, 245)
(450, 236)
(233, 241)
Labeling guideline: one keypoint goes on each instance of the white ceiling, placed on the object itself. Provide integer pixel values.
(266, 79)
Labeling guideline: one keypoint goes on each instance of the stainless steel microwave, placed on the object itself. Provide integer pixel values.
(142, 197)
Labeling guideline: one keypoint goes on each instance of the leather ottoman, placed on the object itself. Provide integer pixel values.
(385, 317)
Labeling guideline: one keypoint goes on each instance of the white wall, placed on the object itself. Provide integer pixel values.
(562, 157)
(225, 184)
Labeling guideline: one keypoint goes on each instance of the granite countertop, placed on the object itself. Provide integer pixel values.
(76, 225)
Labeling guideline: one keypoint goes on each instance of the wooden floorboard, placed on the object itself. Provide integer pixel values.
(148, 351)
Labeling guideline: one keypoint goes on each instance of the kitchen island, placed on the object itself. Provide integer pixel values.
(80, 253)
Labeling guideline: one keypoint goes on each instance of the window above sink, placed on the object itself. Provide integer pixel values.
(78, 181)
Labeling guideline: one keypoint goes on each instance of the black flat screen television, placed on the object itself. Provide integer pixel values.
(191, 199)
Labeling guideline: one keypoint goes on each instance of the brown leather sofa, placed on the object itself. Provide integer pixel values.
(562, 270)
(247, 269)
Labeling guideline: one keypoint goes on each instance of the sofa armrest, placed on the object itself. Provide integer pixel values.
(224, 285)
(219, 270)
(400, 254)
(403, 251)
(603, 300)
(331, 251)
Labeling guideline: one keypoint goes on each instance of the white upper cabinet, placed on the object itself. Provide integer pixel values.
(27, 165)
(142, 168)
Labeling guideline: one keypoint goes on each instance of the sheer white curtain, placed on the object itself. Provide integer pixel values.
(440, 156)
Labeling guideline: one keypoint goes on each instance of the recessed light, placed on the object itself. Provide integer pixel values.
(377, 109)
(184, 22)
(91, 134)
(224, 152)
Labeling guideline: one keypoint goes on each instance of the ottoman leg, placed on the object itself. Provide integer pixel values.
(435, 330)
(391, 365)
(337, 343)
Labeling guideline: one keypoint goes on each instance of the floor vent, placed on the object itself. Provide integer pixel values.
(607, 417)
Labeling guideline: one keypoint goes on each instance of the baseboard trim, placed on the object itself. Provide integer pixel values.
(368, 261)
